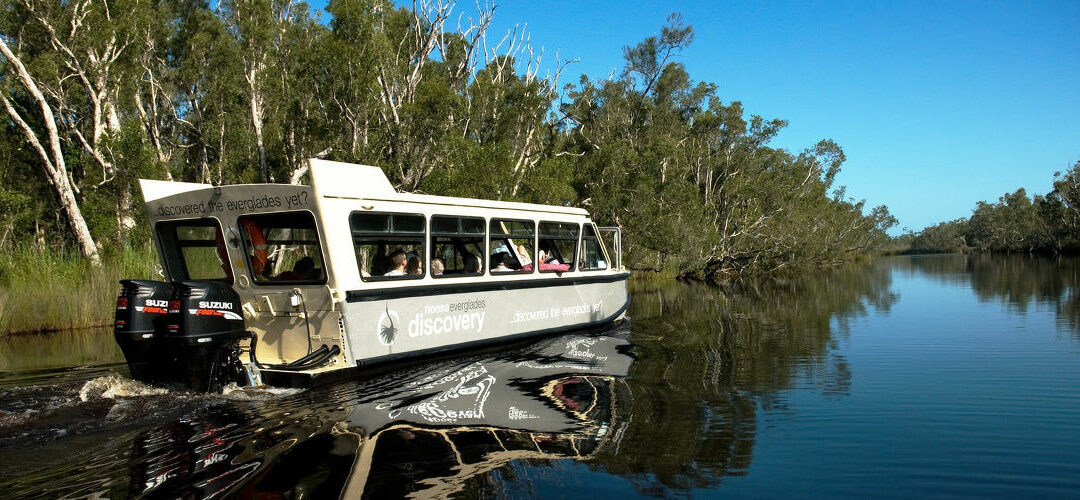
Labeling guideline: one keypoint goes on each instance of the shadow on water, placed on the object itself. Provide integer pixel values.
(1019, 281)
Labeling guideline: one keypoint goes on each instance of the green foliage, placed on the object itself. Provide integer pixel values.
(693, 181)
(53, 289)
(946, 237)
(1015, 224)
(246, 90)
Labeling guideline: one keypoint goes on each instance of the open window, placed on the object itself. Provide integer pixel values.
(511, 246)
(388, 246)
(194, 250)
(593, 255)
(557, 248)
(283, 248)
(457, 246)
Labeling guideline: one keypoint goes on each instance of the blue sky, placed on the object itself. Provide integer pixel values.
(937, 105)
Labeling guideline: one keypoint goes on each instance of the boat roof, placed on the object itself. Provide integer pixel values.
(349, 181)
(332, 179)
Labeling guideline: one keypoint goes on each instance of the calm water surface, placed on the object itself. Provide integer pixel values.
(925, 376)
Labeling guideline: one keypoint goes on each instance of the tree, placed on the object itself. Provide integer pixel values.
(111, 91)
(47, 144)
(1067, 189)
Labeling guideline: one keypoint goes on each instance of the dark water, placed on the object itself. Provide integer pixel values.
(908, 377)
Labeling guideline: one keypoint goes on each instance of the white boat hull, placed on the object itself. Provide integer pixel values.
(392, 324)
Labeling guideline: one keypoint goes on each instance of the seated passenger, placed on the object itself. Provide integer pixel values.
(549, 262)
(437, 267)
(397, 262)
(473, 264)
(499, 262)
(554, 266)
(413, 267)
(303, 270)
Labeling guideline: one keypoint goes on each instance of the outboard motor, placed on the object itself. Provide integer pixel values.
(204, 331)
(194, 345)
(140, 311)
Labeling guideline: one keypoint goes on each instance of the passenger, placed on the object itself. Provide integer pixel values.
(549, 262)
(473, 264)
(499, 262)
(413, 267)
(554, 266)
(437, 266)
(303, 270)
(398, 262)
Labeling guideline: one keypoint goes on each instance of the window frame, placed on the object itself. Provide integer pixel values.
(576, 245)
(533, 241)
(390, 236)
(248, 252)
(600, 245)
(433, 235)
(172, 253)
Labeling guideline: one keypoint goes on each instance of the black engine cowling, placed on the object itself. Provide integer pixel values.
(181, 335)
(140, 309)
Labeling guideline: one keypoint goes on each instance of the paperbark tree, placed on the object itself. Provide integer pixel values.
(48, 148)
(258, 26)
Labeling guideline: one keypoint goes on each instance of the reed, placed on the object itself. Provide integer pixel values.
(52, 290)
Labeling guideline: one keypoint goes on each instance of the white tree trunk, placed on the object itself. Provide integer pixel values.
(55, 168)
(256, 123)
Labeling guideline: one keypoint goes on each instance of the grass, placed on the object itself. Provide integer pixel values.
(53, 290)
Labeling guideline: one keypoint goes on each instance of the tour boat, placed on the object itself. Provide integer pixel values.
(286, 284)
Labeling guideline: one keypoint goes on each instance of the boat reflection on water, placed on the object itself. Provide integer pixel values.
(425, 429)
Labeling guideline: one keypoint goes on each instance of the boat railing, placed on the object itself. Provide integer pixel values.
(614, 235)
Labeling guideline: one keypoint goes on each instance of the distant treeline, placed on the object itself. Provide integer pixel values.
(1015, 224)
(100, 93)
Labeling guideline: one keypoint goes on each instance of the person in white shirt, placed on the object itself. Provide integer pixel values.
(398, 260)
(498, 262)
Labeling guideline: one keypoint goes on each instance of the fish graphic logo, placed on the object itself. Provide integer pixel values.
(387, 326)
(450, 398)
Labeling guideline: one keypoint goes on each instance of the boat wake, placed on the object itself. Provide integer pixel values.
(115, 386)
(261, 393)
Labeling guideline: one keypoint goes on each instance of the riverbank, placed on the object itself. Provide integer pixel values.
(55, 290)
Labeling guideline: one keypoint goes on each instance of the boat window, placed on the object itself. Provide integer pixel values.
(511, 246)
(592, 250)
(557, 247)
(194, 250)
(458, 245)
(283, 248)
(388, 246)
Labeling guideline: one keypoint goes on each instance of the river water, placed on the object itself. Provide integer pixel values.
(910, 376)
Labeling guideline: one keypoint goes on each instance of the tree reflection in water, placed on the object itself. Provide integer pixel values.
(1020, 281)
(710, 357)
